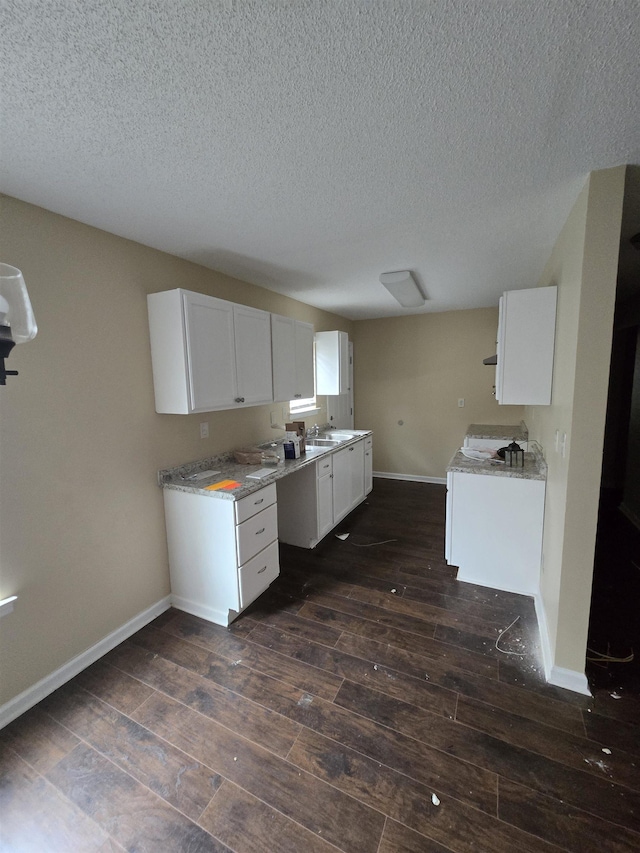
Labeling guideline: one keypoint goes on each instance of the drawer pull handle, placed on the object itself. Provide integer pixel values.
(260, 571)
(326, 466)
(297, 396)
(351, 450)
(258, 532)
(239, 399)
(255, 503)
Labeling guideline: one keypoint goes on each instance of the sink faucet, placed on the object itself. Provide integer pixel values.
(313, 431)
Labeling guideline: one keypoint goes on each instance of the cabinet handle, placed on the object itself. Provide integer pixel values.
(297, 396)
(260, 571)
(326, 466)
(351, 450)
(367, 453)
(239, 399)
(258, 532)
(255, 503)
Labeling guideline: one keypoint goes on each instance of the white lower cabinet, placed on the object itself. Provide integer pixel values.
(324, 495)
(368, 464)
(314, 499)
(494, 530)
(348, 479)
(222, 553)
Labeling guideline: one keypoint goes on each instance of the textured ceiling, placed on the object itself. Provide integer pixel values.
(309, 145)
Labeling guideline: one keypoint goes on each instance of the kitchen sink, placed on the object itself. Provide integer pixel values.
(322, 442)
(344, 436)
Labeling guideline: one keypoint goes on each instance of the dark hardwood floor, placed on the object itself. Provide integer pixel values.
(360, 705)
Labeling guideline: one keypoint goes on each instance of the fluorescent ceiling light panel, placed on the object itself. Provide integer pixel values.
(403, 287)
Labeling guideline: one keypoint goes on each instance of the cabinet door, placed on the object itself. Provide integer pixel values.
(368, 465)
(356, 472)
(526, 335)
(283, 349)
(325, 504)
(332, 362)
(341, 484)
(253, 355)
(209, 333)
(304, 387)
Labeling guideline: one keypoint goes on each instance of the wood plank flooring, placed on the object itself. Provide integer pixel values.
(360, 705)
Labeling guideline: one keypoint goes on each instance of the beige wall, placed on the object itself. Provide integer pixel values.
(82, 539)
(414, 369)
(584, 266)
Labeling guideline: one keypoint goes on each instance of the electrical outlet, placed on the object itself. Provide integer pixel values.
(461, 402)
(557, 440)
(563, 445)
(204, 429)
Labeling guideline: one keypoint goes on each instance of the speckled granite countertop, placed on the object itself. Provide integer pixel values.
(226, 468)
(508, 432)
(535, 468)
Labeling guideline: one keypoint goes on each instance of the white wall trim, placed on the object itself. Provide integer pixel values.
(195, 608)
(570, 679)
(415, 478)
(543, 627)
(34, 694)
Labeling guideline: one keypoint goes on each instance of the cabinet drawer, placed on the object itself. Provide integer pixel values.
(256, 502)
(256, 533)
(324, 466)
(256, 575)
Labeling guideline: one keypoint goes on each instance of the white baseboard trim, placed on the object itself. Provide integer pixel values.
(478, 580)
(34, 694)
(414, 478)
(570, 679)
(195, 608)
(543, 627)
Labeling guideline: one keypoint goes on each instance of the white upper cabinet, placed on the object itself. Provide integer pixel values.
(209, 343)
(254, 381)
(526, 337)
(332, 363)
(292, 349)
(207, 353)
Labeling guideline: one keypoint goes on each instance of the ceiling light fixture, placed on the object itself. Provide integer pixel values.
(403, 287)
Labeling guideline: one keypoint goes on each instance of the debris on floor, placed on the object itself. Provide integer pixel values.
(435, 800)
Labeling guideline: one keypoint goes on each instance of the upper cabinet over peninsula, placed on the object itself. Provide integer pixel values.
(526, 338)
(207, 353)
